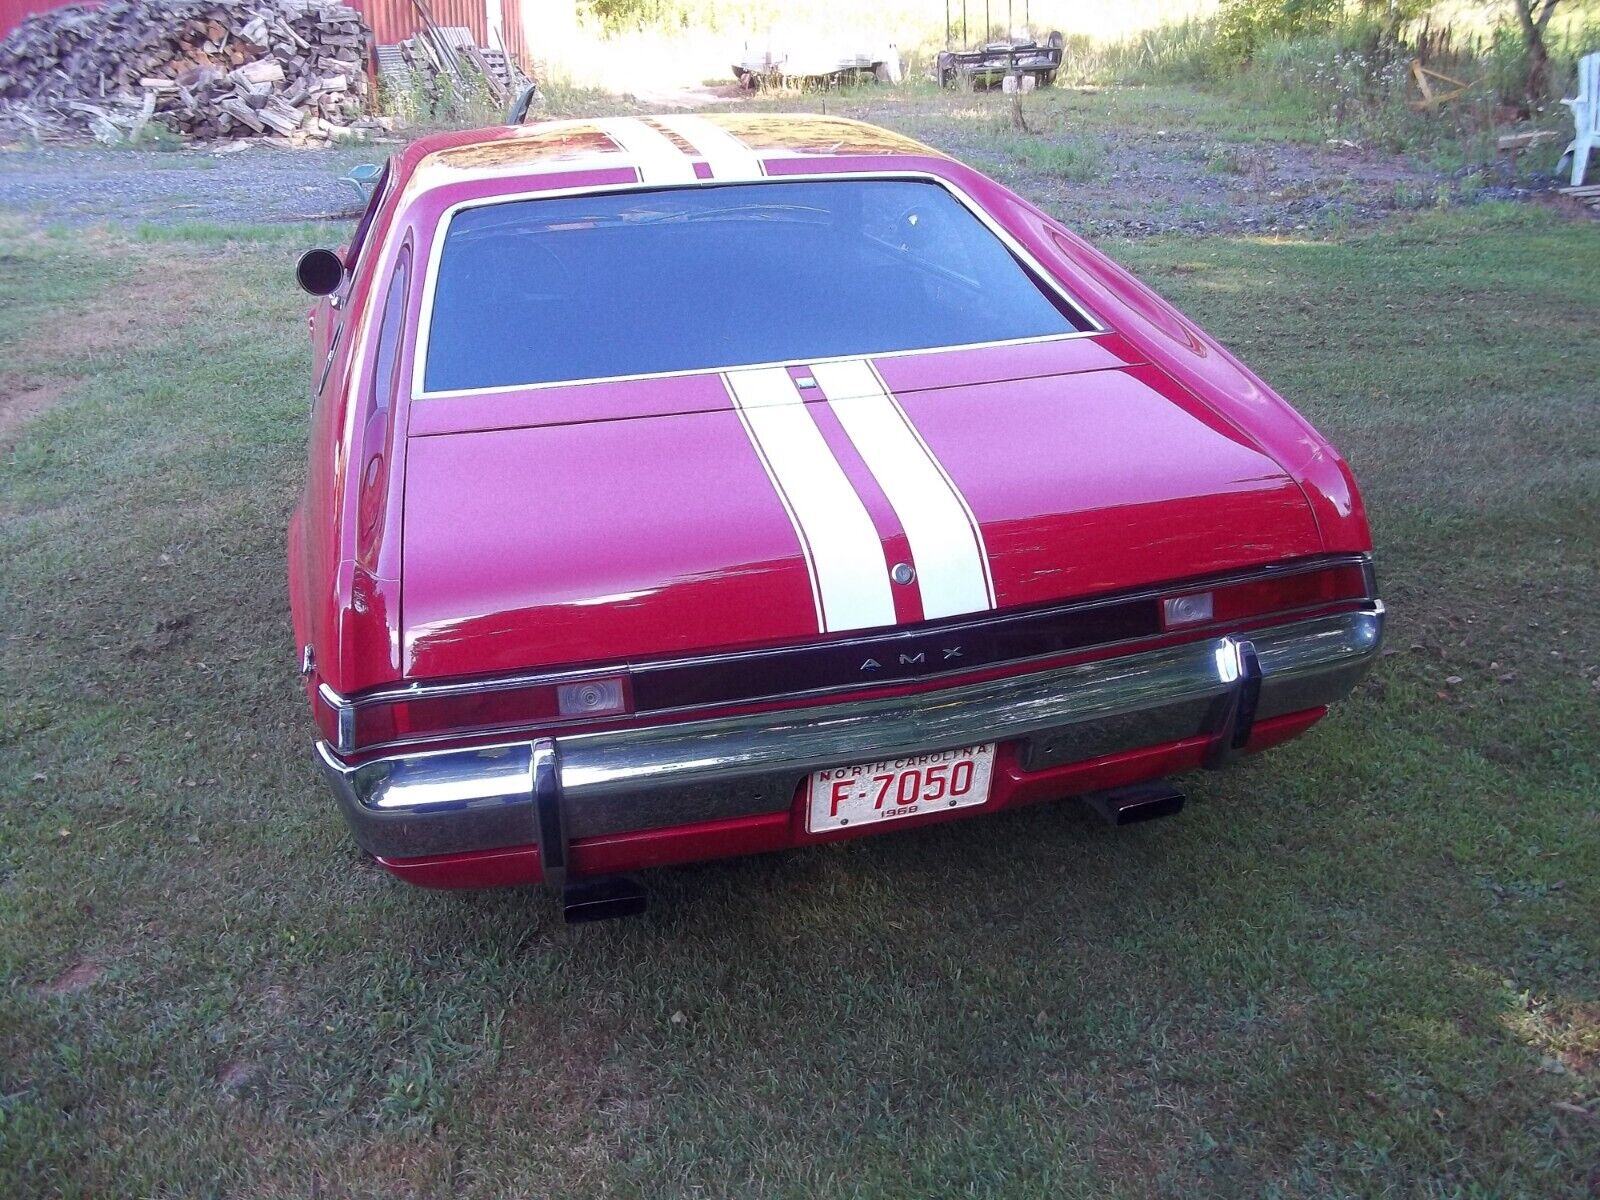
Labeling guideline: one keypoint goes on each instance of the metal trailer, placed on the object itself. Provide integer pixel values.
(825, 63)
(991, 62)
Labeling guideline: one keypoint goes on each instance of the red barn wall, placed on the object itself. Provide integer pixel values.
(395, 20)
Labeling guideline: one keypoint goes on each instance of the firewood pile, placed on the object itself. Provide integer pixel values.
(292, 69)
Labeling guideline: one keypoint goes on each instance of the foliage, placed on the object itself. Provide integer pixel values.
(1349, 65)
(1176, 52)
(1351, 73)
(635, 14)
(1533, 18)
(438, 101)
(1243, 25)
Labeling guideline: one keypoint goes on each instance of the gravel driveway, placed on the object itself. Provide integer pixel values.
(259, 183)
(1101, 172)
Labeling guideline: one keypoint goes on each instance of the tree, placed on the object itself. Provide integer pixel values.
(1533, 16)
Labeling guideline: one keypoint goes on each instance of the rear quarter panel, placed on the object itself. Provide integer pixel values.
(1194, 359)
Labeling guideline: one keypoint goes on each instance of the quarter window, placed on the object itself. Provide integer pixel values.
(388, 348)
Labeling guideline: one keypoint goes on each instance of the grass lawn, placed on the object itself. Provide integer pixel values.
(1367, 964)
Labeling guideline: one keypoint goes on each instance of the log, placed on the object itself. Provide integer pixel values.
(202, 68)
(243, 113)
(263, 70)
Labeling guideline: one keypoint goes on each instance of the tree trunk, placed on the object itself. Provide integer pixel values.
(1533, 16)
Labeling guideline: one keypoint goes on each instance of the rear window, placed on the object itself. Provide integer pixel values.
(587, 287)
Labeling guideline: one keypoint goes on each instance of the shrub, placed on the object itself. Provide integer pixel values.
(1244, 25)
(1177, 52)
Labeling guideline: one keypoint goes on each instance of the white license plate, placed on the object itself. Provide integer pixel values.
(900, 787)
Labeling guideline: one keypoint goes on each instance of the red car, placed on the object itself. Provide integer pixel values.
(700, 485)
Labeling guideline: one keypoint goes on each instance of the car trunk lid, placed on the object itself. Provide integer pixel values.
(630, 520)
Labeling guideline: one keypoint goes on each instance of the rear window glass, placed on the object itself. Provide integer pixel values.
(586, 287)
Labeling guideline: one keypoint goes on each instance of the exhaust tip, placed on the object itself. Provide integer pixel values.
(1141, 802)
(603, 899)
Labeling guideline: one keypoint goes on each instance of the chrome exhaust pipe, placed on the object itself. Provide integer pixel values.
(603, 899)
(1140, 802)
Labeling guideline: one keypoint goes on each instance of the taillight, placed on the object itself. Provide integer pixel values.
(1191, 609)
(590, 698)
(402, 716)
(1264, 596)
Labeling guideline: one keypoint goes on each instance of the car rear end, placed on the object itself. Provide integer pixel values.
(739, 518)
(592, 772)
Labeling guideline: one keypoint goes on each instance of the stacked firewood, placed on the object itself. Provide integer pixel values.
(203, 68)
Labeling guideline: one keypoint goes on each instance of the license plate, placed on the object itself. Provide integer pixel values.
(899, 787)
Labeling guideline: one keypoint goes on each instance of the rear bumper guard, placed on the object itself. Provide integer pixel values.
(550, 790)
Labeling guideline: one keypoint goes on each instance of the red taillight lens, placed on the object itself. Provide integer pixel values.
(377, 721)
(1261, 597)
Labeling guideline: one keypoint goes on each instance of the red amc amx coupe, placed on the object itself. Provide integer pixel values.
(693, 486)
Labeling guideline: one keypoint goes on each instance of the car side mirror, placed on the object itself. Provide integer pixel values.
(320, 272)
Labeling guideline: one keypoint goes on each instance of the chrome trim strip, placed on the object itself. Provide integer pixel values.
(468, 687)
(1095, 326)
(786, 363)
(479, 798)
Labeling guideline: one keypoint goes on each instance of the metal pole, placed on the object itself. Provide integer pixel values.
(964, 42)
(987, 26)
(947, 24)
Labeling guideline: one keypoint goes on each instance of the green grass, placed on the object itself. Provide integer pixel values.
(1073, 159)
(1366, 964)
(297, 234)
(923, 110)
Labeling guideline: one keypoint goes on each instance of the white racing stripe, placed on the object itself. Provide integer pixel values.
(850, 580)
(726, 155)
(658, 160)
(946, 542)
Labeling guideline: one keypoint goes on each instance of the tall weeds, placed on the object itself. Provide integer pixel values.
(1352, 75)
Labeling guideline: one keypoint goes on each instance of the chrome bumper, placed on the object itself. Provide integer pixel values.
(550, 790)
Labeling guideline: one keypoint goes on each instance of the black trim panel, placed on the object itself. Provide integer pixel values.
(899, 657)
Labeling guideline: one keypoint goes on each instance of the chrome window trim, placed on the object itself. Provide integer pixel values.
(441, 229)
(435, 691)
(327, 360)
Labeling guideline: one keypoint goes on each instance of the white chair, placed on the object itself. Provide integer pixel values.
(1585, 108)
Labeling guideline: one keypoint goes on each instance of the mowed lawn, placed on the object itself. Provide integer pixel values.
(1367, 964)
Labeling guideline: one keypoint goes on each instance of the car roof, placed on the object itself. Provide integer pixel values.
(680, 148)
